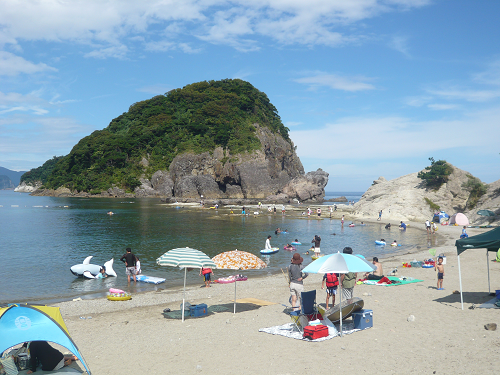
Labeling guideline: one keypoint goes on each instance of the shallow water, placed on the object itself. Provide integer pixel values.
(42, 237)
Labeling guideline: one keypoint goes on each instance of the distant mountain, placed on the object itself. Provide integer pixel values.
(6, 183)
(14, 176)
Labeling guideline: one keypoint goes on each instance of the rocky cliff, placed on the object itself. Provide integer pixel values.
(404, 198)
(491, 202)
(272, 173)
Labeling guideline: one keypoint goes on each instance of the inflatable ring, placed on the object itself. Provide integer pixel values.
(119, 296)
(379, 243)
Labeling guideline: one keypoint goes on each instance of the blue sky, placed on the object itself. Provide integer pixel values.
(368, 88)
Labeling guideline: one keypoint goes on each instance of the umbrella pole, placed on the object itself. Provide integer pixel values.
(460, 279)
(488, 267)
(341, 334)
(184, 295)
(235, 297)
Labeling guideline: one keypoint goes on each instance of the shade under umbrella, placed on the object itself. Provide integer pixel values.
(187, 258)
(340, 263)
(237, 260)
(486, 213)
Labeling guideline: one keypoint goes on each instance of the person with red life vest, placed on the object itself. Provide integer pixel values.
(332, 282)
(206, 272)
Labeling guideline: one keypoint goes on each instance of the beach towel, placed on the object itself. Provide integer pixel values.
(394, 281)
(289, 330)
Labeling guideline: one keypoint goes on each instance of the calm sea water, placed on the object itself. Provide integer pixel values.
(42, 237)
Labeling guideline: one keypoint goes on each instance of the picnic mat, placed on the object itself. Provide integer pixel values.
(290, 330)
(255, 301)
(392, 278)
(489, 304)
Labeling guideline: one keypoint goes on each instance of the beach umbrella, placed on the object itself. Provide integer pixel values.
(340, 263)
(486, 213)
(185, 257)
(237, 260)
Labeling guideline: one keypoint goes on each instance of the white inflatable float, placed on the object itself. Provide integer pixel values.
(90, 271)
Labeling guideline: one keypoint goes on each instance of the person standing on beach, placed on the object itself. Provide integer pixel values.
(296, 277)
(206, 272)
(440, 268)
(379, 216)
(318, 211)
(130, 262)
(330, 209)
(428, 226)
(348, 280)
(332, 283)
(342, 220)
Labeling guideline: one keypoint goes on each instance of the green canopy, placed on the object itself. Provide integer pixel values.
(488, 240)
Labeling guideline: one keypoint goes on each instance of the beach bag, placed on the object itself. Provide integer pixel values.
(315, 332)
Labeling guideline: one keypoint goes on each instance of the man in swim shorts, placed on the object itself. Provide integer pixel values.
(130, 262)
(317, 240)
(378, 273)
(296, 278)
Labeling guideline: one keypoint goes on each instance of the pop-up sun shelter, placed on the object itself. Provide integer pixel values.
(489, 240)
(21, 323)
(459, 219)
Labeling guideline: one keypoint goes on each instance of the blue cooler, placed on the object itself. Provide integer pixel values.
(198, 310)
(363, 319)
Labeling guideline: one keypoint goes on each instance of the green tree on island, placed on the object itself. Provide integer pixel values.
(436, 174)
(196, 118)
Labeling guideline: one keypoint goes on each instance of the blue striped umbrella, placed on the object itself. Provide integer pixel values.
(185, 257)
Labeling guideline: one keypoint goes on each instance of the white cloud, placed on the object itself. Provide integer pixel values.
(289, 124)
(468, 95)
(337, 82)
(113, 23)
(12, 65)
(443, 107)
(395, 137)
(400, 44)
(417, 101)
(490, 76)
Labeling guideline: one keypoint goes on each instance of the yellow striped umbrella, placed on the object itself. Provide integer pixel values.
(237, 260)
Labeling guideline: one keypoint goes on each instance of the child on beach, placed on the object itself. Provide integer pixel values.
(332, 283)
(440, 268)
(464, 233)
(206, 272)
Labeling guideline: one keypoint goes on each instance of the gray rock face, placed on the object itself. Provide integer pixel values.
(404, 198)
(310, 187)
(490, 201)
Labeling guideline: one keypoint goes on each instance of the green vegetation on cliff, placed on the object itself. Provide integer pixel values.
(196, 118)
(41, 173)
(437, 174)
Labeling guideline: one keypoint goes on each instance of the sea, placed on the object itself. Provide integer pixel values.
(42, 237)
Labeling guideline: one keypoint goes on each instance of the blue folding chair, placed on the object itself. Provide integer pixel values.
(308, 310)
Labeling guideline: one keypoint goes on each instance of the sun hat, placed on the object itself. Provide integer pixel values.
(297, 259)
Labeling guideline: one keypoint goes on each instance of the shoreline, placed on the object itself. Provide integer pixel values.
(223, 342)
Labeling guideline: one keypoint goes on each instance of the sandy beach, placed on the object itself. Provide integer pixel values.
(132, 337)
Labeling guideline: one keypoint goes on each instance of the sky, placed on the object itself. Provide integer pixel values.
(368, 88)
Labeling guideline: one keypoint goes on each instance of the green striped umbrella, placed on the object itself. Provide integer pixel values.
(185, 258)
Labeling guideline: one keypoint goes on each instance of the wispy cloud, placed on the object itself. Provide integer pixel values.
(337, 82)
(12, 65)
(155, 89)
(400, 44)
(469, 95)
(443, 107)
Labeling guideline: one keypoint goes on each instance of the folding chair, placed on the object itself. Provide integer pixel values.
(308, 310)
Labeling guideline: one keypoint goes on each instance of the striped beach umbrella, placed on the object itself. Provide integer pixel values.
(238, 260)
(187, 258)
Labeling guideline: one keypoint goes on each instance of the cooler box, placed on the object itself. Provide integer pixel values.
(315, 332)
(363, 319)
(198, 310)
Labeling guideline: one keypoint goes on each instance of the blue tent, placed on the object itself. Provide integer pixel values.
(439, 217)
(21, 323)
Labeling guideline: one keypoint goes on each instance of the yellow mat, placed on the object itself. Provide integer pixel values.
(255, 301)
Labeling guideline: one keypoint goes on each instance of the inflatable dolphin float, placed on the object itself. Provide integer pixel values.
(90, 271)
